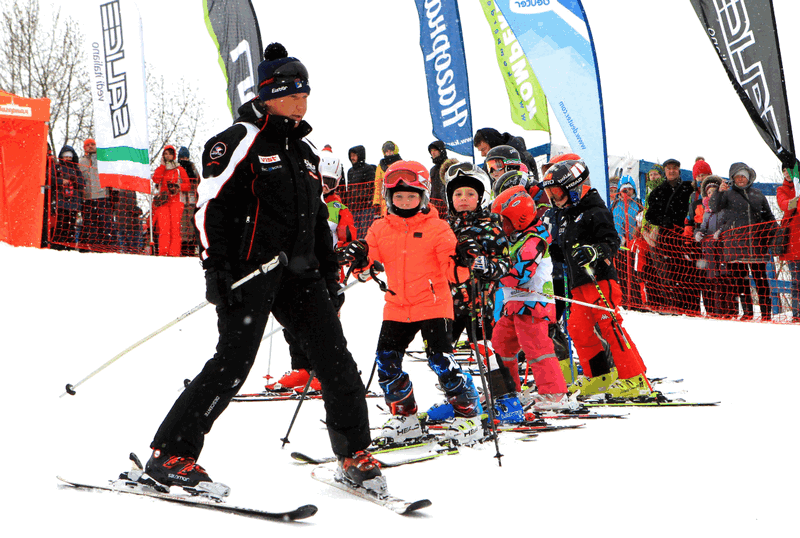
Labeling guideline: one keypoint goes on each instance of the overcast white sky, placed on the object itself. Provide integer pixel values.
(664, 90)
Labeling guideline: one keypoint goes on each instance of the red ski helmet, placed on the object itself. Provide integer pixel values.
(409, 174)
(516, 205)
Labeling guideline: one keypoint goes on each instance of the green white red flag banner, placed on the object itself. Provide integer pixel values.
(119, 94)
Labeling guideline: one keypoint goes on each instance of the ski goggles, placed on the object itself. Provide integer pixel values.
(330, 182)
(286, 73)
(461, 169)
(408, 177)
(495, 167)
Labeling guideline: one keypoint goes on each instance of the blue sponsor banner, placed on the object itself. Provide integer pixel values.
(556, 38)
(446, 73)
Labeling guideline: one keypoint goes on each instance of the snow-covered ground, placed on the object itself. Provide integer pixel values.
(727, 471)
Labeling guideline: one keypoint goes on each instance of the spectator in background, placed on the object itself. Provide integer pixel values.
(68, 203)
(438, 153)
(667, 207)
(695, 278)
(715, 296)
(613, 189)
(747, 231)
(626, 208)
(185, 160)
(359, 189)
(391, 154)
(169, 179)
(700, 171)
(787, 201)
(487, 138)
(98, 220)
(189, 235)
(655, 177)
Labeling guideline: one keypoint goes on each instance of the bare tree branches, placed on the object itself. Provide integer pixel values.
(45, 59)
(175, 112)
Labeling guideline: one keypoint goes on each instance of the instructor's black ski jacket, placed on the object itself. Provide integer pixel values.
(261, 194)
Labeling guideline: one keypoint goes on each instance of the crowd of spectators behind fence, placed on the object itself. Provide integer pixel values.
(81, 214)
(709, 247)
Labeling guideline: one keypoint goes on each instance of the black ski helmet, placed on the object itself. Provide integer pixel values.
(511, 179)
(569, 175)
(508, 156)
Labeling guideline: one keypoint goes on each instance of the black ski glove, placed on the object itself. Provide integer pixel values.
(467, 250)
(355, 253)
(333, 290)
(586, 255)
(219, 280)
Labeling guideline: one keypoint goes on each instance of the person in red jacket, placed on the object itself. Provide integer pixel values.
(417, 250)
(787, 197)
(171, 179)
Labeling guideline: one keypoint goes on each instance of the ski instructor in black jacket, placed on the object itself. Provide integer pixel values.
(261, 194)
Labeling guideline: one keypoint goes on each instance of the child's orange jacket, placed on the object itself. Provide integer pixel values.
(417, 254)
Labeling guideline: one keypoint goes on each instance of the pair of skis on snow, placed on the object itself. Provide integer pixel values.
(128, 484)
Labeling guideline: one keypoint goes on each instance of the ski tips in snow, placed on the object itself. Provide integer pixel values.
(327, 475)
(122, 486)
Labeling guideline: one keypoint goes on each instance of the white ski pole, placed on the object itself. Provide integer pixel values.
(278, 260)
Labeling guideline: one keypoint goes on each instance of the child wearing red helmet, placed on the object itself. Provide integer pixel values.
(524, 306)
(416, 249)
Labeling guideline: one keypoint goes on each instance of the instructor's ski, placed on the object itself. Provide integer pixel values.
(327, 475)
(389, 463)
(198, 501)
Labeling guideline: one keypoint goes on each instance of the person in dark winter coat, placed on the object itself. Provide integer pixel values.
(715, 293)
(586, 242)
(70, 184)
(357, 194)
(487, 138)
(261, 195)
(667, 206)
(748, 227)
(438, 153)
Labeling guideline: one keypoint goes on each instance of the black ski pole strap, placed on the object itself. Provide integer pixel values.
(373, 272)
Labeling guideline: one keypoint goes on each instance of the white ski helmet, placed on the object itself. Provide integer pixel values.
(331, 169)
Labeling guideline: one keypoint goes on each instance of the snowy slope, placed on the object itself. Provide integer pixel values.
(724, 471)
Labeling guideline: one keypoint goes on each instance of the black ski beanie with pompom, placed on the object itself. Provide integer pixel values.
(280, 75)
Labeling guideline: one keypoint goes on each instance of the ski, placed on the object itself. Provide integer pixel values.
(536, 426)
(326, 475)
(562, 415)
(270, 396)
(648, 403)
(430, 454)
(197, 501)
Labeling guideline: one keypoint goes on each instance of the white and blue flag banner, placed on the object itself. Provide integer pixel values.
(556, 39)
(446, 72)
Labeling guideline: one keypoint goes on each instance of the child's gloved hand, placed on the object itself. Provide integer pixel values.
(467, 250)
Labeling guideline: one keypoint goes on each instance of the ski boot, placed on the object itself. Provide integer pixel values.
(508, 409)
(589, 386)
(163, 471)
(464, 431)
(400, 430)
(363, 471)
(293, 380)
(559, 401)
(635, 387)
